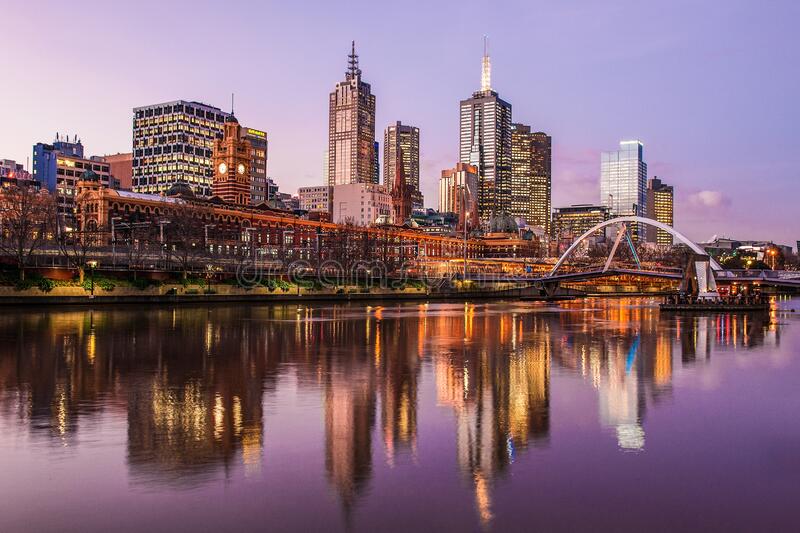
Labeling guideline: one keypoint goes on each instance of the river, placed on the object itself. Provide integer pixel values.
(597, 414)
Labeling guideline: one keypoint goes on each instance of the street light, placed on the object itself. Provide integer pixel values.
(114, 241)
(92, 264)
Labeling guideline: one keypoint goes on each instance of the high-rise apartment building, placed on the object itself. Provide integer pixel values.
(531, 176)
(232, 160)
(401, 141)
(351, 129)
(458, 190)
(623, 181)
(485, 142)
(59, 167)
(571, 222)
(660, 207)
(173, 143)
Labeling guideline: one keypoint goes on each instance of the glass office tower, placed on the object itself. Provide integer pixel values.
(623, 181)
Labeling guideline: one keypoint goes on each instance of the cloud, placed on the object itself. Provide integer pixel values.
(709, 199)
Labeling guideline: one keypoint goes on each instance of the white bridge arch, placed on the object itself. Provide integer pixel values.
(642, 220)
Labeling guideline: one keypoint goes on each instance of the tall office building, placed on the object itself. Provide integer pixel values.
(485, 142)
(623, 182)
(259, 188)
(173, 143)
(402, 141)
(531, 176)
(351, 129)
(660, 204)
(458, 188)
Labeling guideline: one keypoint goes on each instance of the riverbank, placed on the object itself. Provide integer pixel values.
(178, 294)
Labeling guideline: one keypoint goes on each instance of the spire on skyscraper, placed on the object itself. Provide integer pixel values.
(352, 63)
(486, 67)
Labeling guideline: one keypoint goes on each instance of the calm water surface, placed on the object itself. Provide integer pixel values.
(598, 414)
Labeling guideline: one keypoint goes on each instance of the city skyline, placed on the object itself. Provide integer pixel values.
(698, 126)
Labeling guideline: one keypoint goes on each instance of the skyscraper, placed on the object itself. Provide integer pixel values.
(351, 129)
(623, 181)
(402, 139)
(531, 176)
(485, 142)
(458, 189)
(660, 200)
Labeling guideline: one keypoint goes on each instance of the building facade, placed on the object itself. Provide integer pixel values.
(11, 170)
(316, 199)
(623, 182)
(401, 143)
(485, 143)
(458, 189)
(571, 222)
(531, 187)
(351, 129)
(660, 207)
(59, 167)
(361, 204)
(121, 165)
(173, 143)
(259, 188)
(232, 158)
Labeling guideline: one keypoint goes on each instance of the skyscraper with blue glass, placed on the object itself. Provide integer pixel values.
(623, 180)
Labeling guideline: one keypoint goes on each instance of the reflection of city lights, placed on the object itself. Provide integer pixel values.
(219, 414)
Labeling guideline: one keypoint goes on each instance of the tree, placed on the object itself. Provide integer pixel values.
(26, 220)
(184, 234)
(80, 245)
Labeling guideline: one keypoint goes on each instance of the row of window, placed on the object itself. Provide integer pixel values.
(180, 108)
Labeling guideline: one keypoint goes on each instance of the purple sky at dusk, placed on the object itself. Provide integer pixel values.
(711, 88)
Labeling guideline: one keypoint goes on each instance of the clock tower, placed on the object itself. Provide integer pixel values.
(231, 159)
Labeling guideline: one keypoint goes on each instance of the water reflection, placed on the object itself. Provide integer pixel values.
(193, 383)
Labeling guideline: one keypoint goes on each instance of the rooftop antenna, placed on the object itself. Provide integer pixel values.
(352, 63)
(231, 104)
(486, 67)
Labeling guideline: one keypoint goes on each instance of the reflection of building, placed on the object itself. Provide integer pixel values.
(401, 141)
(485, 143)
(530, 176)
(351, 131)
(500, 396)
(623, 181)
(660, 200)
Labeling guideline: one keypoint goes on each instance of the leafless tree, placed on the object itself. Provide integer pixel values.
(26, 222)
(80, 245)
(184, 234)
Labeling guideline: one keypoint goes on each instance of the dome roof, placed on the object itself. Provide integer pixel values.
(503, 223)
(90, 175)
(180, 189)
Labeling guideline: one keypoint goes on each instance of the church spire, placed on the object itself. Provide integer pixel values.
(352, 63)
(486, 67)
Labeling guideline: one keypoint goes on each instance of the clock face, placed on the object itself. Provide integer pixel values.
(223, 168)
(240, 168)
